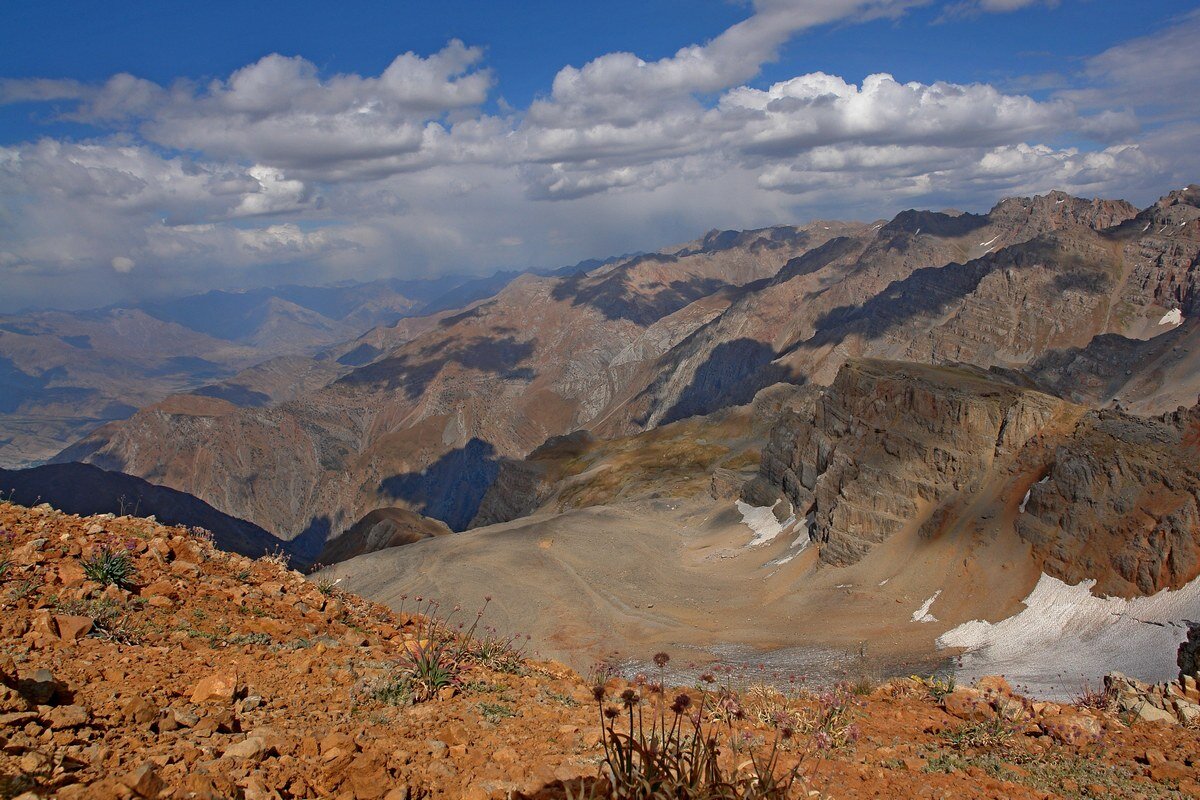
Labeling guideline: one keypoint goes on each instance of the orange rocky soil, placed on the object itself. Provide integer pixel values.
(215, 676)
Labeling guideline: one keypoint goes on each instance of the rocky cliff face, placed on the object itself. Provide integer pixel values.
(887, 442)
(1119, 502)
(1032, 277)
(1100, 495)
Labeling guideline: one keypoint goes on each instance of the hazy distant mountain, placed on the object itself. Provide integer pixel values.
(64, 373)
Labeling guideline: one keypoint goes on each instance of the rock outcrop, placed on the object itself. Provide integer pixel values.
(1119, 502)
(378, 530)
(1173, 702)
(888, 441)
(1104, 495)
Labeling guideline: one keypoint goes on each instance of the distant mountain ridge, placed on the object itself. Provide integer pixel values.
(64, 373)
(423, 417)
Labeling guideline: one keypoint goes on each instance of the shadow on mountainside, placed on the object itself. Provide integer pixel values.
(18, 387)
(236, 393)
(85, 490)
(451, 488)
(612, 296)
(928, 291)
(732, 375)
(818, 258)
(414, 373)
(935, 223)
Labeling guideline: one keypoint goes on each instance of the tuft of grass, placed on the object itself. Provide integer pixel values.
(110, 566)
(326, 586)
(23, 589)
(434, 658)
(397, 691)
(1099, 698)
(431, 667)
(110, 620)
(988, 734)
(496, 712)
(938, 686)
(6, 540)
(278, 557)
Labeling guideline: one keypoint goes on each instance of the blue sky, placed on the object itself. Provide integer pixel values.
(150, 148)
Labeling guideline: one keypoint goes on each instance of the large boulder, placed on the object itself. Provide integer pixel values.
(1188, 657)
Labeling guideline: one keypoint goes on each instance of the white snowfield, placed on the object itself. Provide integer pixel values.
(922, 614)
(989, 241)
(761, 520)
(1172, 317)
(1066, 636)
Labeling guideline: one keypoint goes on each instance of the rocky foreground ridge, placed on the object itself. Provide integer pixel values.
(203, 674)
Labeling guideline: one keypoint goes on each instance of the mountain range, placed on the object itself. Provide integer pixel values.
(926, 404)
(63, 373)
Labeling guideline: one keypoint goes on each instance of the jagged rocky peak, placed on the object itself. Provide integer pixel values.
(1172, 213)
(1188, 196)
(1050, 211)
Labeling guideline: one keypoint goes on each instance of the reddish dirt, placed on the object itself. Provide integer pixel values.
(214, 676)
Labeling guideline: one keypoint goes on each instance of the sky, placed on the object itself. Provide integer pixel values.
(164, 148)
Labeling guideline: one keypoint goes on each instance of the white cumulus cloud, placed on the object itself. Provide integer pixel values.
(279, 169)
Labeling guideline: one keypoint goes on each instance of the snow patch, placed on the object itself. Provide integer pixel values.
(1056, 202)
(761, 520)
(922, 614)
(1065, 636)
(884, 581)
(1172, 317)
(1146, 228)
(1025, 499)
(989, 241)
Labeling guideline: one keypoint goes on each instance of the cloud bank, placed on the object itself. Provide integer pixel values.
(278, 170)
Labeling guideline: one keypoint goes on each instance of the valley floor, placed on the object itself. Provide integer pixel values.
(691, 577)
